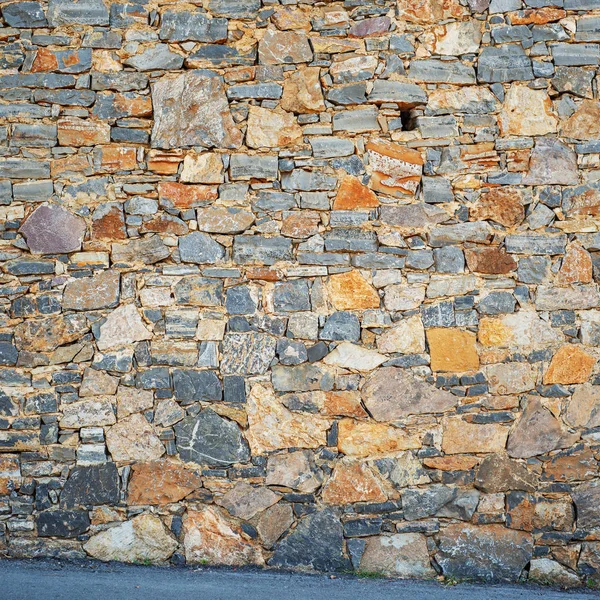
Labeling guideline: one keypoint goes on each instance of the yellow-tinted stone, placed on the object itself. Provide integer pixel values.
(461, 437)
(361, 439)
(452, 350)
(351, 291)
(353, 194)
(353, 482)
(570, 364)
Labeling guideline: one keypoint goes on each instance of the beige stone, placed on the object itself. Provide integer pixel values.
(427, 12)
(244, 501)
(511, 378)
(296, 470)
(356, 358)
(302, 91)
(503, 205)
(527, 112)
(95, 412)
(202, 168)
(361, 439)
(583, 409)
(97, 383)
(134, 438)
(123, 326)
(584, 123)
(403, 296)
(406, 337)
(274, 522)
(272, 128)
(92, 293)
(131, 400)
(457, 38)
(452, 350)
(209, 537)
(272, 426)
(143, 539)
(462, 437)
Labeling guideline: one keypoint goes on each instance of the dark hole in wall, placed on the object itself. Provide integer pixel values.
(409, 120)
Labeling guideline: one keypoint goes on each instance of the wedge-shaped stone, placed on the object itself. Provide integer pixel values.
(391, 394)
(122, 327)
(351, 482)
(351, 291)
(245, 501)
(351, 356)
(295, 470)
(192, 110)
(142, 539)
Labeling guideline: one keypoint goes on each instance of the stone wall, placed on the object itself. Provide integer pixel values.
(304, 285)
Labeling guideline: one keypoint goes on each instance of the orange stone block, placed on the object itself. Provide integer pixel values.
(301, 224)
(537, 16)
(117, 158)
(503, 205)
(452, 350)
(45, 60)
(351, 291)
(82, 132)
(137, 106)
(164, 162)
(353, 482)
(161, 482)
(343, 404)
(451, 463)
(186, 196)
(73, 163)
(570, 364)
(353, 194)
(576, 266)
(395, 170)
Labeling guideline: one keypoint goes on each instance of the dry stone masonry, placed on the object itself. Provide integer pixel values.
(302, 284)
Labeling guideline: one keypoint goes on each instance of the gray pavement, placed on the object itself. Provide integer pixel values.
(54, 580)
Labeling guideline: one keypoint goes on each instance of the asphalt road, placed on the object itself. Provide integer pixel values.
(54, 580)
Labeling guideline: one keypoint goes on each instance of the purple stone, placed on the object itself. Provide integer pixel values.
(53, 230)
(368, 27)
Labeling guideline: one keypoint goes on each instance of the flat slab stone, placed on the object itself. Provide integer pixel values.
(53, 230)
(192, 110)
(93, 293)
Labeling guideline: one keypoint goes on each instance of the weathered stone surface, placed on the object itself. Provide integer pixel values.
(363, 439)
(133, 438)
(272, 426)
(396, 171)
(93, 293)
(586, 498)
(353, 482)
(272, 129)
(402, 555)
(527, 112)
(485, 552)
(351, 356)
(583, 124)
(122, 327)
(498, 473)
(460, 437)
(147, 250)
(352, 194)
(548, 571)
(211, 440)
(570, 364)
(247, 353)
(210, 537)
(62, 523)
(287, 47)
(391, 394)
(503, 205)
(537, 432)
(274, 522)
(161, 482)
(45, 335)
(53, 230)
(144, 538)
(179, 123)
(551, 163)
(316, 543)
(350, 291)
(91, 485)
(245, 501)
(302, 91)
(94, 412)
(296, 470)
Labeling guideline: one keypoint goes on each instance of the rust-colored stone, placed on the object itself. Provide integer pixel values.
(503, 205)
(352, 194)
(490, 261)
(536, 16)
(576, 266)
(351, 291)
(186, 196)
(570, 364)
(353, 482)
(343, 404)
(365, 439)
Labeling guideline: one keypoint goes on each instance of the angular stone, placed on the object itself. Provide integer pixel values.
(122, 327)
(352, 194)
(503, 64)
(24, 15)
(210, 439)
(302, 91)
(350, 291)
(552, 163)
(582, 409)
(403, 470)
(461, 437)
(584, 123)
(352, 482)
(361, 439)
(62, 523)
(403, 555)
(296, 470)
(93, 293)
(429, 11)
(587, 501)
(286, 47)
(478, 233)
(108, 222)
(247, 353)
(272, 426)
(570, 364)
(440, 71)
(81, 12)
(548, 571)
(352, 356)
(316, 543)
(134, 438)
(498, 473)
(576, 266)
(272, 129)
(199, 291)
(274, 522)
(256, 249)
(91, 485)
(206, 167)
(392, 394)
(489, 261)
(143, 539)
(579, 297)
(485, 552)
(503, 205)
(179, 123)
(147, 250)
(95, 412)
(396, 170)
(224, 220)
(131, 400)
(53, 230)
(209, 537)
(45, 335)
(455, 39)
(181, 26)
(199, 248)
(406, 337)
(245, 501)
(527, 112)
(452, 350)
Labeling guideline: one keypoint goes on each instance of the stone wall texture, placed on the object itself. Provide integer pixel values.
(308, 285)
